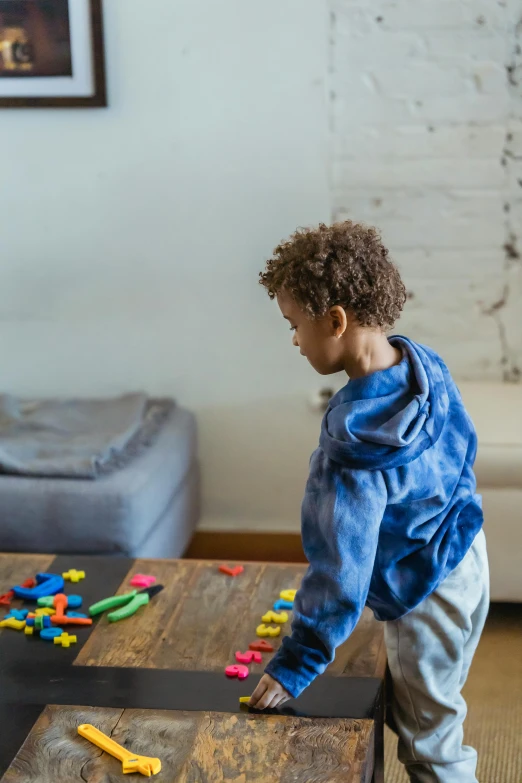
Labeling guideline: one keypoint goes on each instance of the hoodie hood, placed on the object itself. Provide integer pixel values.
(390, 417)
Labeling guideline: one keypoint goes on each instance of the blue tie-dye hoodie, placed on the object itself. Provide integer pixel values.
(389, 509)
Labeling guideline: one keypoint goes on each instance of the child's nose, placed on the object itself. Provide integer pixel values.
(295, 341)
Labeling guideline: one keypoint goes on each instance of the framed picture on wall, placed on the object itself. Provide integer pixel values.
(51, 53)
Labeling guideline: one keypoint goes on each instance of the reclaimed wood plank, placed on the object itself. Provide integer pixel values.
(203, 617)
(53, 752)
(207, 747)
(132, 642)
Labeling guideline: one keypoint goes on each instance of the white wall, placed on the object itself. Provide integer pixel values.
(131, 238)
(426, 115)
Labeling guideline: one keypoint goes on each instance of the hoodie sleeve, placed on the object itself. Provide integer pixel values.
(341, 515)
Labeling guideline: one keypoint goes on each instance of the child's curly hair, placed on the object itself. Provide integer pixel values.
(343, 264)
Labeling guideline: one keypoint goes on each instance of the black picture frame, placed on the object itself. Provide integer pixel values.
(98, 99)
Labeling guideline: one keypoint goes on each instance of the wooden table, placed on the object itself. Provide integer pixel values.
(155, 683)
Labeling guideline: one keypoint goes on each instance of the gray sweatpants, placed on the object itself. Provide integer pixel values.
(429, 654)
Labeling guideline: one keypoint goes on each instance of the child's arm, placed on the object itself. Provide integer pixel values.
(341, 516)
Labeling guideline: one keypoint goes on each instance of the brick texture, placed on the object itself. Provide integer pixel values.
(426, 143)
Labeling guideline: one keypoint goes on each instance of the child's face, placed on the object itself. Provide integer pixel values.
(317, 338)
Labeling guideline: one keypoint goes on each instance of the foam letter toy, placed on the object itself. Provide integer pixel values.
(287, 595)
(142, 580)
(73, 575)
(267, 630)
(283, 605)
(65, 640)
(49, 634)
(274, 617)
(231, 571)
(261, 646)
(46, 584)
(248, 657)
(241, 672)
(16, 625)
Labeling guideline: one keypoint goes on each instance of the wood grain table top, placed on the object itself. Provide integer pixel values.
(195, 624)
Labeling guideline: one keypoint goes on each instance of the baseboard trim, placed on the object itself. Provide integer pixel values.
(267, 547)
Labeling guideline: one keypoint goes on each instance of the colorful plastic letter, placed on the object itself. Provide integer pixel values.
(46, 584)
(261, 645)
(49, 634)
(16, 625)
(73, 575)
(29, 630)
(283, 605)
(287, 595)
(231, 571)
(274, 617)
(248, 657)
(142, 580)
(267, 630)
(18, 614)
(65, 640)
(241, 672)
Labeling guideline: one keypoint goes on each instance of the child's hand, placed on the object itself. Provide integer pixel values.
(269, 694)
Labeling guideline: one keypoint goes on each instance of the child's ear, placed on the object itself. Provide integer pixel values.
(338, 320)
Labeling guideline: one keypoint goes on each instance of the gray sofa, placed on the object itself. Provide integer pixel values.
(148, 507)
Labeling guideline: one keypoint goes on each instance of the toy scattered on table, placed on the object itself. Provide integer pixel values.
(142, 580)
(129, 603)
(29, 630)
(73, 575)
(49, 601)
(261, 646)
(131, 762)
(237, 670)
(12, 622)
(288, 595)
(42, 621)
(46, 584)
(43, 610)
(77, 614)
(49, 634)
(18, 614)
(283, 605)
(275, 617)
(6, 598)
(65, 640)
(231, 571)
(244, 699)
(267, 630)
(248, 657)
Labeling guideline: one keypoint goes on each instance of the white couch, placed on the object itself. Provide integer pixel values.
(496, 410)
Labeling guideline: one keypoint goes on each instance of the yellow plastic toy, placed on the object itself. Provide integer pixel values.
(12, 622)
(131, 762)
(275, 617)
(287, 595)
(29, 630)
(244, 699)
(73, 575)
(65, 640)
(41, 611)
(267, 630)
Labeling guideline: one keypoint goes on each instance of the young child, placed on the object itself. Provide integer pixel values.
(390, 517)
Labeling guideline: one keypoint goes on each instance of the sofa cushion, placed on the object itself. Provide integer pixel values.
(112, 514)
(496, 410)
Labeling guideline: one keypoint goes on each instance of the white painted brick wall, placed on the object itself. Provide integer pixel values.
(426, 143)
